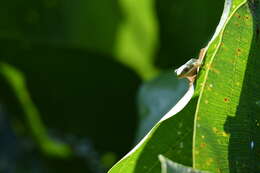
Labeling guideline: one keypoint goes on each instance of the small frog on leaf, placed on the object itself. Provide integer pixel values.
(190, 69)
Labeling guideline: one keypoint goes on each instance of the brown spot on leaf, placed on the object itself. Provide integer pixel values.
(238, 51)
(202, 145)
(226, 99)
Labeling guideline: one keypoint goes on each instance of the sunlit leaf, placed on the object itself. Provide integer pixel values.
(226, 136)
(142, 158)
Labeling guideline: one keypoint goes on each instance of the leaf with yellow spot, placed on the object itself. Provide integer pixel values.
(227, 113)
(224, 108)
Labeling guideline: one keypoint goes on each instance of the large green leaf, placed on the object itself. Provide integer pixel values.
(171, 137)
(222, 72)
(226, 136)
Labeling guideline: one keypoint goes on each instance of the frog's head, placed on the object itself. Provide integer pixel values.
(182, 70)
(187, 69)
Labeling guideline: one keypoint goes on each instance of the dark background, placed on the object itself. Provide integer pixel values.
(85, 95)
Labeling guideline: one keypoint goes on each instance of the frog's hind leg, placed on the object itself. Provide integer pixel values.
(202, 54)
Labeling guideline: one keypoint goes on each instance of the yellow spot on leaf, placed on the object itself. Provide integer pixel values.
(215, 70)
(209, 161)
(214, 129)
(202, 145)
(225, 134)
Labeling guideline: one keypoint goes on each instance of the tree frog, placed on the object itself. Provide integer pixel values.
(190, 69)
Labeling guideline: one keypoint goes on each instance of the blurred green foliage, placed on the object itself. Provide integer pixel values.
(82, 63)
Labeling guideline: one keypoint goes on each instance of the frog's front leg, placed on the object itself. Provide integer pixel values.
(202, 54)
(188, 69)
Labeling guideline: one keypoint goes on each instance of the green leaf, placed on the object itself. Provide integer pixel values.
(169, 166)
(137, 37)
(58, 81)
(17, 83)
(172, 136)
(125, 29)
(226, 129)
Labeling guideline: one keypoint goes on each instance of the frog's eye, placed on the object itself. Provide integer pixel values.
(185, 70)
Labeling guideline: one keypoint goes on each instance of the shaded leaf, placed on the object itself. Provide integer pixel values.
(169, 166)
(17, 82)
(171, 137)
(74, 86)
(156, 97)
